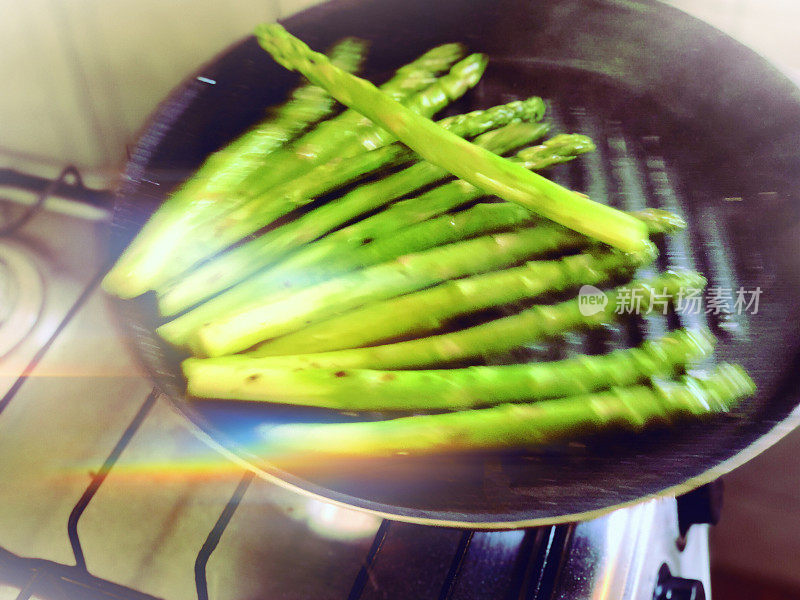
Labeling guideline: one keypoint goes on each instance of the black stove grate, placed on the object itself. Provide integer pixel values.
(68, 184)
(476, 570)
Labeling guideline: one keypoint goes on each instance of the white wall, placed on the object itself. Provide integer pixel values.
(79, 77)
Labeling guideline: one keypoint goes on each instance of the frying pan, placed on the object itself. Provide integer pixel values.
(684, 117)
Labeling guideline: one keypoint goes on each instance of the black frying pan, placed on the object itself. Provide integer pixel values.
(685, 118)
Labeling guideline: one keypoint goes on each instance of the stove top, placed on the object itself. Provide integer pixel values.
(107, 494)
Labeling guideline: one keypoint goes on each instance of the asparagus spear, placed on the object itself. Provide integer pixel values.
(488, 339)
(427, 102)
(228, 269)
(481, 168)
(281, 200)
(272, 317)
(293, 274)
(349, 131)
(228, 168)
(269, 319)
(428, 310)
(474, 221)
(519, 425)
(478, 220)
(142, 265)
(659, 221)
(456, 389)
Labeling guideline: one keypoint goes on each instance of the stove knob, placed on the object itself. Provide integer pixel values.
(703, 505)
(677, 588)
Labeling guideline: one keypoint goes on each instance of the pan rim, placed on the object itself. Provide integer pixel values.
(774, 435)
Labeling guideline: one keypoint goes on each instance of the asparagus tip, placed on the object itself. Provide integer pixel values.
(740, 378)
(686, 278)
(721, 388)
(700, 342)
(116, 283)
(645, 254)
(467, 72)
(660, 221)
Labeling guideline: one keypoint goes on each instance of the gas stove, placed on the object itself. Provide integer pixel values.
(106, 493)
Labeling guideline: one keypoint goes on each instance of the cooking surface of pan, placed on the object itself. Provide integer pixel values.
(684, 118)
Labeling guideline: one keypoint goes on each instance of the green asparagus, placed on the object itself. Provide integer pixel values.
(454, 389)
(293, 274)
(430, 309)
(481, 219)
(471, 222)
(306, 301)
(463, 76)
(241, 262)
(349, 133)
(307, 104)
(269, 319)
(518, 425)
(304, 266)
(483, 169)
(493, 338)
(228, 168)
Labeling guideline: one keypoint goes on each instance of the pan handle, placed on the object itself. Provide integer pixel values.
(700, 506)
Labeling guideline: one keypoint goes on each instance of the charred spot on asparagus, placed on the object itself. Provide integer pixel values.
(450, 389)
(518, 425)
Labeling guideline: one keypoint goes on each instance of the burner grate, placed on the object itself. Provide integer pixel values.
(522, 564)
(210, 545)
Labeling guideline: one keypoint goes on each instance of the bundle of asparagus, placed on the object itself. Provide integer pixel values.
(356, 303)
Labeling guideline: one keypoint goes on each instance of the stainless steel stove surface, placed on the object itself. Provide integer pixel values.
(105, 493)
